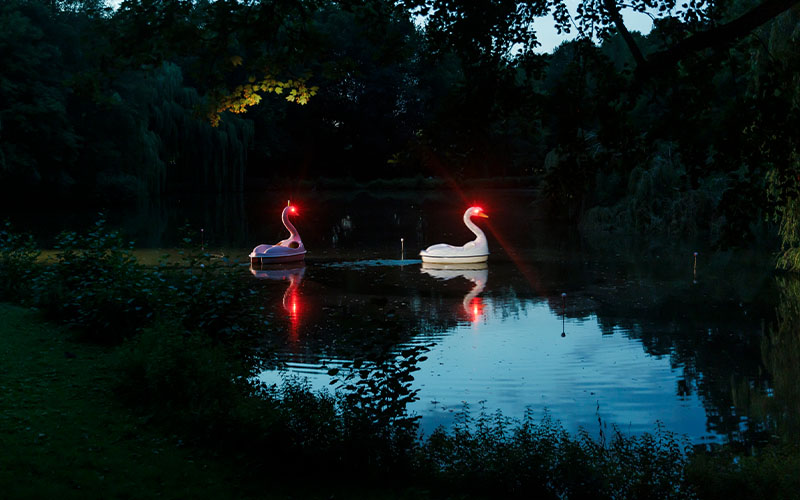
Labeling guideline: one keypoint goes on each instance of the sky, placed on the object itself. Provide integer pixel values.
(549, 39)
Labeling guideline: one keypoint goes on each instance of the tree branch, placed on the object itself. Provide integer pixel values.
(613, 12)
(720, 36)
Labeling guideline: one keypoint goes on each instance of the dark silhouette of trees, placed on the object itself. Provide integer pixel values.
(688, 130)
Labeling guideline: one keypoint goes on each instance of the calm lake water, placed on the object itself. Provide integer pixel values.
(627, 332)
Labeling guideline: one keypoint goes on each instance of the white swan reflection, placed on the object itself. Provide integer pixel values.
(477, 273)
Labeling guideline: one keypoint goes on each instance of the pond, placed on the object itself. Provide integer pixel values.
(595, 332)
(588, 346)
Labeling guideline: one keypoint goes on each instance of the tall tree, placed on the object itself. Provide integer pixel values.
(38, 144)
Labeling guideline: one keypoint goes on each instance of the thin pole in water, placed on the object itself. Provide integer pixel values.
(694, 271)
(563, 312)
(402, 250)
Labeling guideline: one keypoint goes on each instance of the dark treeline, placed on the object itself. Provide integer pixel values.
(690, 129)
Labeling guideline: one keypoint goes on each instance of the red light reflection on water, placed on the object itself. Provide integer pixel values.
(292, 303)
(475, 309)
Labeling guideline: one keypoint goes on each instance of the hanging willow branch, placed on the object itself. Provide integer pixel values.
(190, 151)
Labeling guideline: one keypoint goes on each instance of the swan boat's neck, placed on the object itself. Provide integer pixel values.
(293, 234)
(480, 236)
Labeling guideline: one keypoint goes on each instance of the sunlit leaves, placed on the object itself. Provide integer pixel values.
(251, 93)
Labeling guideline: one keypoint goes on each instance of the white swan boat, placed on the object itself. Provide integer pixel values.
(473, 252)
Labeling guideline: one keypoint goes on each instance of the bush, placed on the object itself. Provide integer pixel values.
(498, 457)
(183, 377)
(96, 285)
(658, 200)
(18, 255)
(769, 474)
(204, 295)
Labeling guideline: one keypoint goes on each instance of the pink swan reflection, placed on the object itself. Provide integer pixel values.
(291, 301)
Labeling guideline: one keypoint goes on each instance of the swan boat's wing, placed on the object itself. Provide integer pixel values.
(441, 249)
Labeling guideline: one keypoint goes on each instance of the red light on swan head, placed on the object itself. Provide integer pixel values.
(478, 212)
(292, 209)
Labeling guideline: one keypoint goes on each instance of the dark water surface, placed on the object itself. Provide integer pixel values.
(631, 332)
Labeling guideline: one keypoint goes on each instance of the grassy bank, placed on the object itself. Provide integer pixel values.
(63, 434)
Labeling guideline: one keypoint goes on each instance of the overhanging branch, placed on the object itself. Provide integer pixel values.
(613, 12)
(720, 36)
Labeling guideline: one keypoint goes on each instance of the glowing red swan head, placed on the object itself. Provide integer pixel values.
(478, 212)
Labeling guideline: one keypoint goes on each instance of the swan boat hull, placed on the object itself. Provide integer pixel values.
(276, 257)
(453, 259)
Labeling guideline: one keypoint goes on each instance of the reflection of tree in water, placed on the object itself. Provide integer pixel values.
(161, 222)
(777, 405)
(359, 221)
(781, 354)
(710, 330)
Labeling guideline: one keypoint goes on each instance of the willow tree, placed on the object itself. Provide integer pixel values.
(774, 122)
(195, 153)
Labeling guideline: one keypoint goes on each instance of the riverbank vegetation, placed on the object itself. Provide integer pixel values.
(165, 356)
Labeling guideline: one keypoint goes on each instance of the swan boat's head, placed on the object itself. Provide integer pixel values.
(293, 241)
(475, 212)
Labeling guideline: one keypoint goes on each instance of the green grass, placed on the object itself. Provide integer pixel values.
(62, 434)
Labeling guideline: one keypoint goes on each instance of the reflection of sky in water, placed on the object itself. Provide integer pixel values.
(519, 360)
(524, 361)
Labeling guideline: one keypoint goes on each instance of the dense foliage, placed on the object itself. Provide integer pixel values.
(688, 130)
